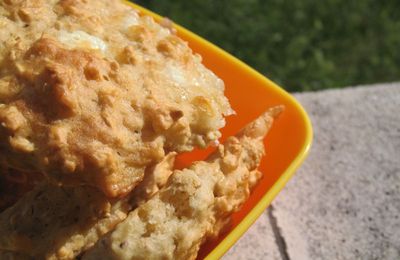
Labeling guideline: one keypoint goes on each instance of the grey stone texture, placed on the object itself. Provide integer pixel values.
(257, 243)
(344, 201)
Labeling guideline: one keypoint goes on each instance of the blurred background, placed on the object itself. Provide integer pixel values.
(300, 44)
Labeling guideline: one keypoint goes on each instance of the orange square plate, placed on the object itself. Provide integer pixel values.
(250, 94)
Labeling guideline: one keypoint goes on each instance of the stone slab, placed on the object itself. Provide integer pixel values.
(257, 243)
(344, 202)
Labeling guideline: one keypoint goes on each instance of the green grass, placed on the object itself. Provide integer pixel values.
(301, 44)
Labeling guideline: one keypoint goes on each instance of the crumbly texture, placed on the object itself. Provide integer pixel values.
(91, 92)
(194, 205)
(14, 184)
(10, 192)
(156, 177)
(9, 255)
(60, 223)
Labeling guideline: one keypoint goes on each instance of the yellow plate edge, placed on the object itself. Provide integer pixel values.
(252, 216)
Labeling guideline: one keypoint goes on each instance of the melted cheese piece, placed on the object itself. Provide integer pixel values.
(131, 19)
(81, 39)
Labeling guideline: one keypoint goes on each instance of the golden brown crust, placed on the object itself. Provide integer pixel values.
(60, 223)
(194, 205)
(57, 223)
(93, 93)
(155, 178)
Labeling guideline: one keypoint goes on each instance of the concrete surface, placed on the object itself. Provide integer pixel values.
(344, 202)
(257, 243)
